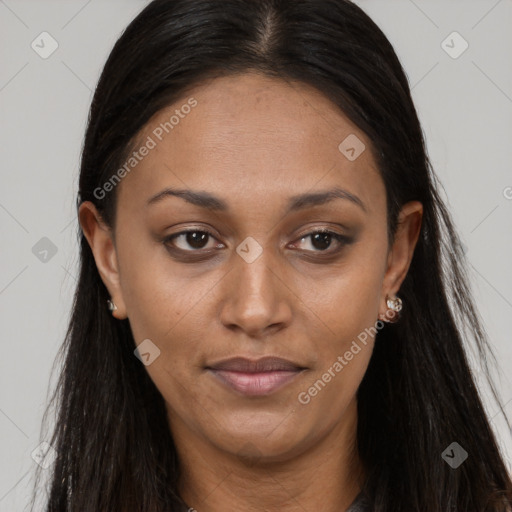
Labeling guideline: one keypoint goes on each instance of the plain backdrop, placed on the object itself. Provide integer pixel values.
(463, 96)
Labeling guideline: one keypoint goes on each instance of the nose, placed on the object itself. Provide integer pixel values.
(256, 296)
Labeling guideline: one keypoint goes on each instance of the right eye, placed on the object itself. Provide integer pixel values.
(191, 240)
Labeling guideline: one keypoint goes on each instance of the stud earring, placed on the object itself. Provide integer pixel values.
(394, 304)
(394, 307)
(111, 305)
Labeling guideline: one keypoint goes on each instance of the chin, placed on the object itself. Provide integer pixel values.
(271, 442)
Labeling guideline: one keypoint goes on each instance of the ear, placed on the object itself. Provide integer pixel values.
(402, 250)
(101, 240)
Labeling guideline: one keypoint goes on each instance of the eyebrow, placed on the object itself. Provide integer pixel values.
(297, 202)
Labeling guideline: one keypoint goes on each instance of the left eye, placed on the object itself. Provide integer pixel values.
(322, 240)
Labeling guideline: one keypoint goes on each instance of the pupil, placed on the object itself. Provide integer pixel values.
(324, 240)
(196, 239)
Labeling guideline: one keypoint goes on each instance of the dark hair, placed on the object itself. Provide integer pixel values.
(115, 449)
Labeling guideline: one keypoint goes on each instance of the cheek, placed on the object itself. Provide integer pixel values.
(156, 293)
(344, 325)
(344, 338)
(167, 306)
(343, 344)
(348, 301)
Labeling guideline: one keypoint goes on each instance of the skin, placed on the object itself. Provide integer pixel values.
(254, 142)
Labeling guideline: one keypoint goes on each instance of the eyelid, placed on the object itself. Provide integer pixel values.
(320, 229)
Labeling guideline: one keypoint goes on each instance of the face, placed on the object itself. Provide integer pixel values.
(277, 246)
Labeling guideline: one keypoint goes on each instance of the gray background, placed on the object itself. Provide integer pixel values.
(464, 103)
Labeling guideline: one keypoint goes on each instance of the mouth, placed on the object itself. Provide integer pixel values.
(255, 377)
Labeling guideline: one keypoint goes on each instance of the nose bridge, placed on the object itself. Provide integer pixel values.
(255, 276)
(255, 298)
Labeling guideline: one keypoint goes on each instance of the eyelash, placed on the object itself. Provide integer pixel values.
(342, 240)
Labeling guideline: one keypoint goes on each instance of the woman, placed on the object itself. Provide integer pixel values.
(271, 310)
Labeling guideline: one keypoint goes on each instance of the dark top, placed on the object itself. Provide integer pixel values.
(360, 504)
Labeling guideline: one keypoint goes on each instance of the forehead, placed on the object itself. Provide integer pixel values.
(252, 134)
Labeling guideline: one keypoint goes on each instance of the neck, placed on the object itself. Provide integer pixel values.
(325, 476)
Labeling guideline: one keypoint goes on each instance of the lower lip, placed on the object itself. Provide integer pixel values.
(255, 384)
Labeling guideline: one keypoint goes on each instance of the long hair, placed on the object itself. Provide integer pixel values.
(115, 451)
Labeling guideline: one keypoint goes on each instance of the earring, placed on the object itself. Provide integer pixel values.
(394, 304)
(111, 305)
(394, 307)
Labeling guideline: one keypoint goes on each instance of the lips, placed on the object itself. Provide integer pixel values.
(255, 377)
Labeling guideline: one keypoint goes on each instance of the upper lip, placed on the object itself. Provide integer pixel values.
(264, 364)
